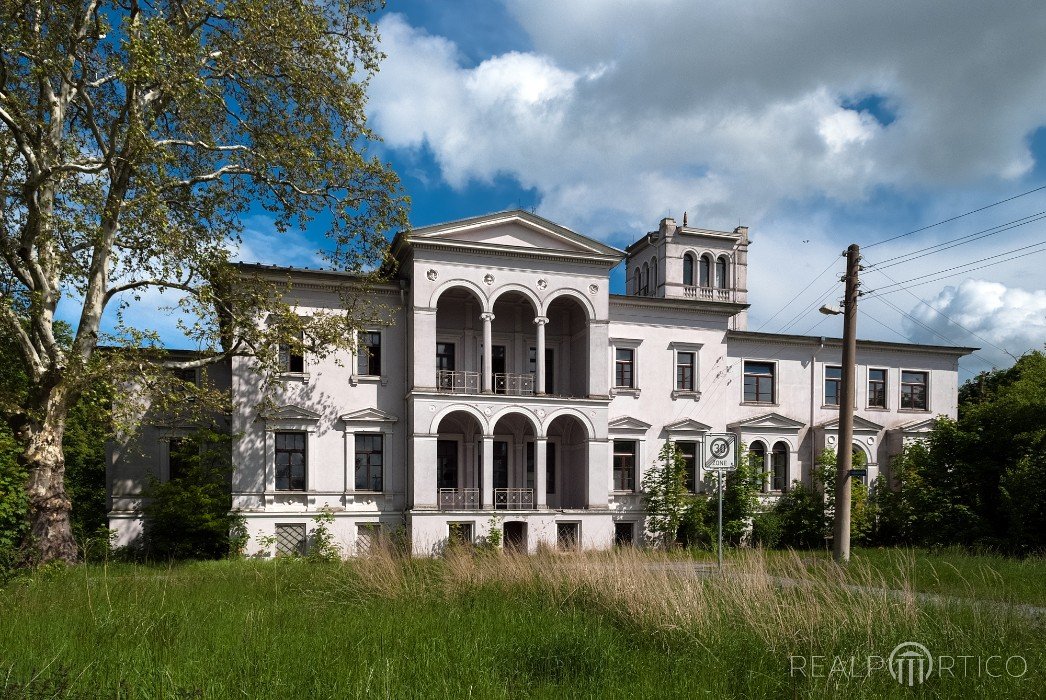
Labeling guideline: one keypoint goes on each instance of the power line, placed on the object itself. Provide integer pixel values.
(947, 317)
(820, 299)
(889, 289)
(955, 218)
(943, 337)
(796, 296)
(955, 242)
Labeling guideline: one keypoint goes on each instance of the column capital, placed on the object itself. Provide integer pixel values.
(487, 316)
(541, 320)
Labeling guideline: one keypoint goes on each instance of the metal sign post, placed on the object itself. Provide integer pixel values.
(721, 457)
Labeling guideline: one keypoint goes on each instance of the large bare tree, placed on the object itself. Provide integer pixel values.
(134, 135)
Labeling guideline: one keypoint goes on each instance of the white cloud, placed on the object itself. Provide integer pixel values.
(1008, 317)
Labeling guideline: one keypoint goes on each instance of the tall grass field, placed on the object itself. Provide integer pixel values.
(614, 625)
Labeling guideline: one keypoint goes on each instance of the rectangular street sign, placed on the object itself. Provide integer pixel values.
(858, 472)
(720, 452)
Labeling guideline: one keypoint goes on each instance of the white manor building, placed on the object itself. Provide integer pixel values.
(510, 387)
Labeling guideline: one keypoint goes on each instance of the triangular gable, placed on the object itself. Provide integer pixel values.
(628, 423)
(515, 229)
(688, 425)
(290, 412)
(860, 424)
(368, 415)
(923, 425)
(768, 421)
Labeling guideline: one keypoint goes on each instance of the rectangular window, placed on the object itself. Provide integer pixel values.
(624, 368)
(877, 388)
(689, 452)
(759, 382)
(370, 449)
(368, 538)
(445, 357)
(685, 371)
(833, 386)
(290, 540)
(625, 465)
(568, 536)
(368, 354)
(913, 390)
(624, 534)
(460, 533)
(179, 458)
(446, 464)
(291, 359)
(290, 461)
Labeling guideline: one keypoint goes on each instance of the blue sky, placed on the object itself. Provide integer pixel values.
(815, 125)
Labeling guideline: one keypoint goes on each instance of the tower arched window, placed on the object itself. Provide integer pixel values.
(636, 283)
(720, 273)
(705, 273)
(653, 276)
(646, 279)
(688, 270)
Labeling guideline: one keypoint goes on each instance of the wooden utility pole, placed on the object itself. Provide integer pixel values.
(844, 460)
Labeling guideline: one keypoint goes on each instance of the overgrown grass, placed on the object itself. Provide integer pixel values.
(623, 624)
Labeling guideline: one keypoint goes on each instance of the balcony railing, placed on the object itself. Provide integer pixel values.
(708, 293)
(513, 499)
(459, 499)
(514, 384)
(457, 382)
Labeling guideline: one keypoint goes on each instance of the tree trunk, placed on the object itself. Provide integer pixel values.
(51, 532)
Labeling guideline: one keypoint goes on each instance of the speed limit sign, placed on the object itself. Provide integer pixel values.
(721, 451)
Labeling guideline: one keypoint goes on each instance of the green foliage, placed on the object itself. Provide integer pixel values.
(979, 481)
(767, 529)
(189, 517)
(14, 501)
(665, 496)
(491, 542)
(321, 545)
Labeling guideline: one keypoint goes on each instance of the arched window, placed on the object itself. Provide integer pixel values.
(720, 273)
(646, 279)
(706, 271)
(636, 283)
(757, 457)
(779, 467)
(653, 275)
(688, 270)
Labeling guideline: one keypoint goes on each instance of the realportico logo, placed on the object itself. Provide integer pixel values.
(910, 664)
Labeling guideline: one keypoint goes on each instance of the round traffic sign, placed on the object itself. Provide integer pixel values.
(720, 447)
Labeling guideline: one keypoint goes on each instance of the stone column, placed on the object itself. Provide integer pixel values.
(488, 372)
(487, 480)
(539, 379)
(540, 471)
(423, 472)
(598, 476)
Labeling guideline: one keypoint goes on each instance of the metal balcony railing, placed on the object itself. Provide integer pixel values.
(458, 499)
(708, 293)
(514, 384)
(513, 499)
(457, 382)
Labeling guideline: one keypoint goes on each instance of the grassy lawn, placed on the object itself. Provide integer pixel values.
(615, 625)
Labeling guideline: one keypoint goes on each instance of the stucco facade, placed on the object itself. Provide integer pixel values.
(507, 387)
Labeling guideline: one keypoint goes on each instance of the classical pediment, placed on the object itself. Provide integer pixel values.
(923, 425)
(860, 425)
(628, 423)
(769, 421)
(514, 230)
(688, 425)
(291, 412)
(368, 415)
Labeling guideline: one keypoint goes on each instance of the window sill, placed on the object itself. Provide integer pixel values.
(367, 492)
(877, 408)
(684, 394)
(368, 379)
(624, 391)
(914, 410)
(302, 377)
(624, 493)
(770, 404)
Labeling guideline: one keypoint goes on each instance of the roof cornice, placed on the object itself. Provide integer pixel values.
(781, 338)
(726, 308)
